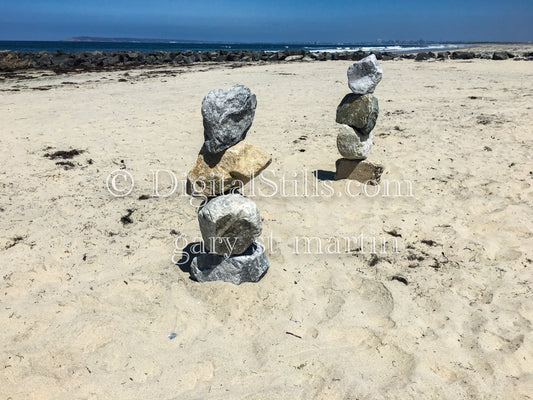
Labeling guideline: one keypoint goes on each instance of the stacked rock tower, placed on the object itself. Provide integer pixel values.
(230, 222)
(358, 112)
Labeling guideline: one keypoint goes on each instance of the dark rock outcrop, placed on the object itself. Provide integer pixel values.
(61, 61)
(500, 55)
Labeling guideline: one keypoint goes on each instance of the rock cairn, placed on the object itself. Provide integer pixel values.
(357, 113)
(230, 222)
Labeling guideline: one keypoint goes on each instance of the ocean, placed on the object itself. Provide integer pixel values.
(70, 47)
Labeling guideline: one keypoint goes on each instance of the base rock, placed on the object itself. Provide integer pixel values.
(359, 170)
(249, 266)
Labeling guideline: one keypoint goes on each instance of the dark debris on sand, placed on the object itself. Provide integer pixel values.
(126, 219)
(64, 154)
(14, 242)
(400, 279)
(66, 164)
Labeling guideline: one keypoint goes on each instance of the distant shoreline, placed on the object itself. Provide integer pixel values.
(145, 46)
(77, 46)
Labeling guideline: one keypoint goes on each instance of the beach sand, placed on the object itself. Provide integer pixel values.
(88, 299)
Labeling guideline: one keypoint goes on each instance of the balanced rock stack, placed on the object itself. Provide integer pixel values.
(358, 112)
(230, 222)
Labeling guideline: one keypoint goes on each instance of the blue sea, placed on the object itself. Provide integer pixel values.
(69, 47)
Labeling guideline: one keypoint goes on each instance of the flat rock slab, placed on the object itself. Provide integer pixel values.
(250, 266)
(364, 75)
(294, 58)
(359, 170)
(359, 112)
(215, 174)
(353, 145)
(229, 224)
(227, 116)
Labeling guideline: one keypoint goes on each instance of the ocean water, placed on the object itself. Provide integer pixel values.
(69, 47)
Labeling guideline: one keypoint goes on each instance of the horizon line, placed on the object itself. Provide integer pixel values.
(92, 39)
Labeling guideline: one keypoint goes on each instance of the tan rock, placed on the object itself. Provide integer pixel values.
(359, 170)
(217, 173)
(10, 61)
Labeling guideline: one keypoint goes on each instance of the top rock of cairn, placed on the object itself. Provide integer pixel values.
(364, 75)
(227, 114)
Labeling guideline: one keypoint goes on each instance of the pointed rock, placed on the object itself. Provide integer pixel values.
(364, 75)
(227, 114)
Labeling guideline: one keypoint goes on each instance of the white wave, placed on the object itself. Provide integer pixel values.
(392, 48)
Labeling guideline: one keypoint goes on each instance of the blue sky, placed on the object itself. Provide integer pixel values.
(270, 21)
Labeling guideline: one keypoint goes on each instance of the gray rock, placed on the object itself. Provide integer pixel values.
(500, 55)
(229, 224)
(463, 55)
(250, 266)
(294, 58)
(359, 112)
(352, 145)
(422, 56)
(227, 114)
(364, 75)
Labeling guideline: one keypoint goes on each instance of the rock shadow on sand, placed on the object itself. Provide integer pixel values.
(323, 175)
(188, 253)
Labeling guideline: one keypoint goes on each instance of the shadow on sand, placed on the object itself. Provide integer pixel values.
(322, 175)
(188, 253)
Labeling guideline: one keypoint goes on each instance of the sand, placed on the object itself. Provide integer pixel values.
(88, 300)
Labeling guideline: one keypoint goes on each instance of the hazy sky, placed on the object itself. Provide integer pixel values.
(270, 21)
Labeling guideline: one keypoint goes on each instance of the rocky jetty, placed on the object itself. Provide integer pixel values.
(61, 61)
(230, 222)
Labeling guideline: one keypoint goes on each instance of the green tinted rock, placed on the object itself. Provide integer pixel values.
(359, 112)
(352, 145)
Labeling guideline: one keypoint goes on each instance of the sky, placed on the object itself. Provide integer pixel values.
(334, 21)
